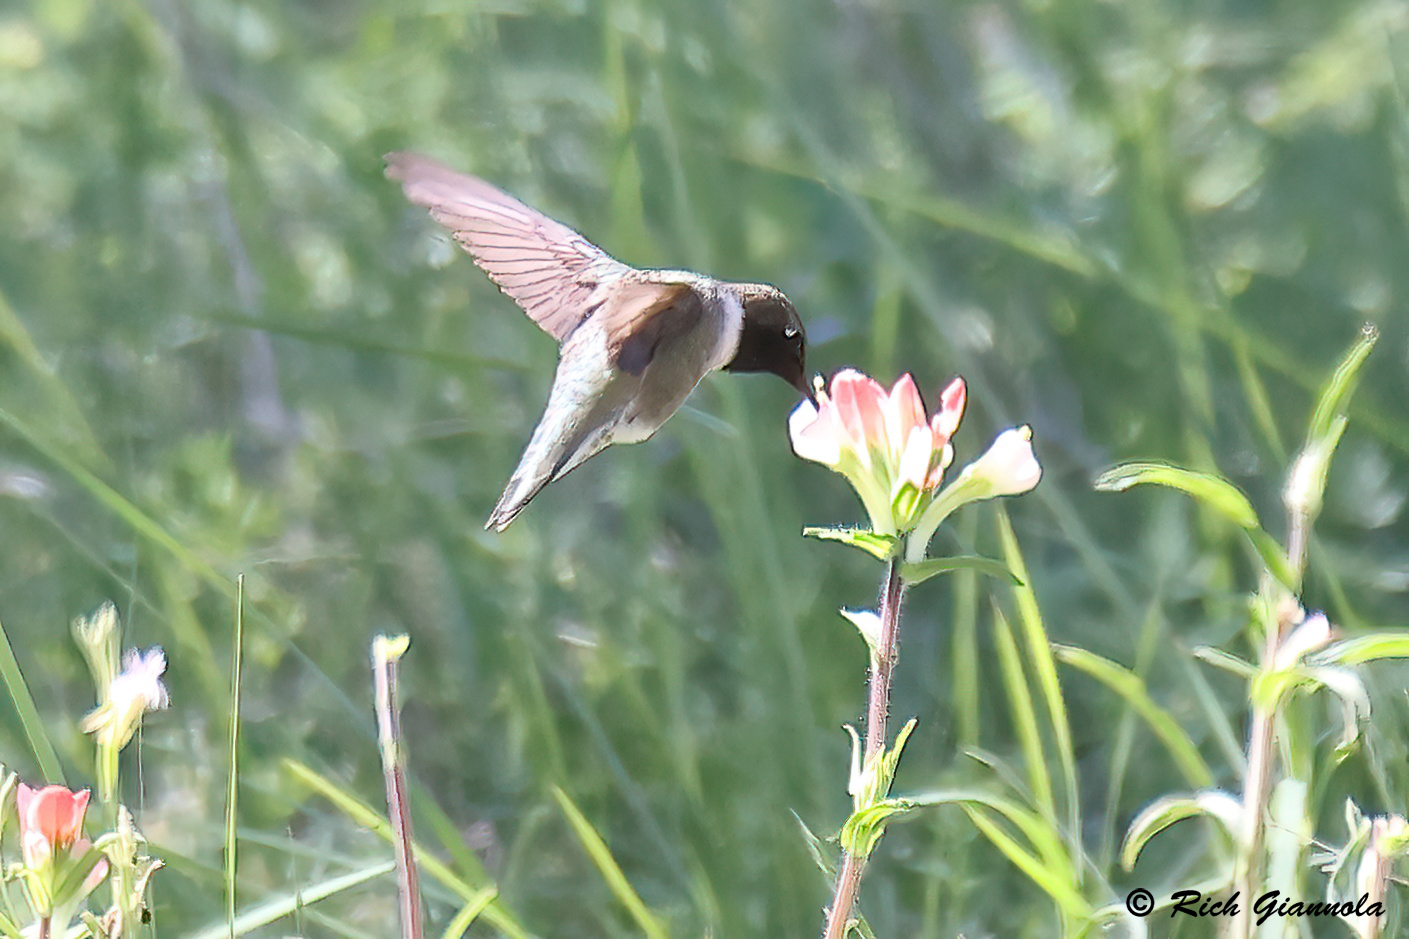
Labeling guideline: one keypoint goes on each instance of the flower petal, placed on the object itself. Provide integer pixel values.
(815, 432)
(1009, 466)
(903, 411)
(860, 401)
(917, 458)
(951, 410)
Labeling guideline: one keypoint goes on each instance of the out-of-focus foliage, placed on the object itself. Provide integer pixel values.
(227, 344)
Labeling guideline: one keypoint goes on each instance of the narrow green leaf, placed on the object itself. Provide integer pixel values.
(369, 818)
(1213, 491)
(814, 848)
(611, 872)
(920, 571)
(1165, 811)
(1043, 837)
(1226, 661)
(470, 912)
(233, 780)
(1335, 397)
(1038, 648)
(1054, 883)
(1131, 688)
(1364, 649)
(1216, 493)
(44, 753)
(878, 546)
(274, 910)
(1024, 715)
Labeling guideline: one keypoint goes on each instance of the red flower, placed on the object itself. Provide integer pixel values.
(51, 820)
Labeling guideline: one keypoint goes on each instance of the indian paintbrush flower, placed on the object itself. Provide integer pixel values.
(895, 457)
(60, 867)
(882, 442)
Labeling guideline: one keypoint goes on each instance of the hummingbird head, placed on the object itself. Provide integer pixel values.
(772, 339)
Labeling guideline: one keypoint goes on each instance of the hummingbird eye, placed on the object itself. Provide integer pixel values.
(790, 332)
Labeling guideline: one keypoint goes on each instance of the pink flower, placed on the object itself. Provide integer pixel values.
(51, 821)
(882, 442)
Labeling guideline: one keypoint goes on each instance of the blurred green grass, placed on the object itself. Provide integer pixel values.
(228, 345)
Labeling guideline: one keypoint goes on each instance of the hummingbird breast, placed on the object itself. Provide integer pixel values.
(679, 365)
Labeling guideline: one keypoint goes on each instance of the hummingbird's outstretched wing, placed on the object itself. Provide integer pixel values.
(548, 269)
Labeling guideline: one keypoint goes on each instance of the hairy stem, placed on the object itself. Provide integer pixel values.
(877, 710)
(1257, 785)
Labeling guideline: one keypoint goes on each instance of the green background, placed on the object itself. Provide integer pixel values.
(227, 344)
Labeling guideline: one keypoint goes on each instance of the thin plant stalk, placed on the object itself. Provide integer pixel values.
(1257, 784)
(232, 795)
(386, 653)
(877, 712)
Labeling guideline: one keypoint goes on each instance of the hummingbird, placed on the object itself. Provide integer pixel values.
(632, 343)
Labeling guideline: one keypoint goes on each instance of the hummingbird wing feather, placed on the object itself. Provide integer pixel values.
(645, 314)
(548, 269)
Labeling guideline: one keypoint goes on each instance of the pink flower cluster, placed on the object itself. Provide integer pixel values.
(895, 455)
(882, 442)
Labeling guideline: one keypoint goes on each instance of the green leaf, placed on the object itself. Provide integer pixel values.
(13, 678)
(1335, 397)
(1216, 493)
(1165, 811)
(1045, 859)
(1056, 883)
(1213, 491)
(879, 546)
(1131, 688)
(920, 571)
(366, 816)
(611, 872)
(814, 848)
(862, 831)
(1226, 661)
(271, 911)
(469, 913)
(1024, 716)
(1364, 649)
(1044, 670)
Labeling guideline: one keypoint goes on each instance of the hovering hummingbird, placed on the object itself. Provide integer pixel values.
(633, 343)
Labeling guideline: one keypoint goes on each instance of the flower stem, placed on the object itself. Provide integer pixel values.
(1257, 784)
(877, 710)
(385, 655)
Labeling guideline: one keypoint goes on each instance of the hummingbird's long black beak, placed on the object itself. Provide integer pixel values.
(802, 384)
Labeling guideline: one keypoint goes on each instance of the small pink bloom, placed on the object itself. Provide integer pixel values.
(51, 820)
(880, 440)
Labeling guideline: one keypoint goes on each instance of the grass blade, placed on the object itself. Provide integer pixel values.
(470, 912)
(1131, 688)
(1044, 667)
(1024, 716)
(274, 910)
(611, 872)
(232, 785)
(366, 816)
(44, 753)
